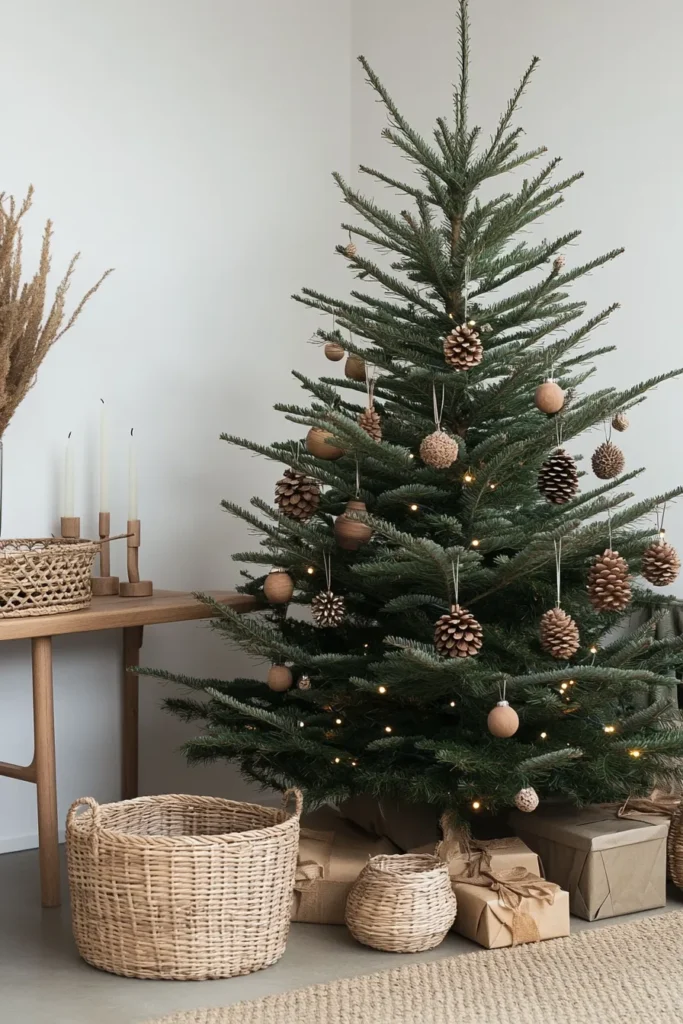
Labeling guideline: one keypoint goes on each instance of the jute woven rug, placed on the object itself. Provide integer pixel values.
(631, 974)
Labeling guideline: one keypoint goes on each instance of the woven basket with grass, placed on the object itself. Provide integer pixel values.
(402, 903)
(181, 887)
(45, 575)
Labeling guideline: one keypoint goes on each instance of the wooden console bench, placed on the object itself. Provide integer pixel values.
(129, 614)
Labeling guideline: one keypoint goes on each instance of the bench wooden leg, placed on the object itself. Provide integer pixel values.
(45, 769)
(132, 642)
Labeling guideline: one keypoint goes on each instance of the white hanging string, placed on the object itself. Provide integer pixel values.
(327, 562)
(357, 479)
(455, 569)
(370, 380)
(607, 427)
(609, 527)
(502, 690)
(660, 521)
(558, 559)
(558, 430)
(466, 284)
(438, 412)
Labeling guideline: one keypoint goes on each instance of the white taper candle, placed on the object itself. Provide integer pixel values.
(132, 480)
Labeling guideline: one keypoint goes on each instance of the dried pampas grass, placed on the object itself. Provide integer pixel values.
(28, 326)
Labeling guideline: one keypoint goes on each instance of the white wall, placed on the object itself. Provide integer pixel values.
(189, 145)
(607, 97)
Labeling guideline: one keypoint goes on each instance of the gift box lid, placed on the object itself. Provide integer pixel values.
(588, 828)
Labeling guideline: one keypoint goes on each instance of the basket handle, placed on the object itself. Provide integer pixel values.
(84, 801)
(298, 800)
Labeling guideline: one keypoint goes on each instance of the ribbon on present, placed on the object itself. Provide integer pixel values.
(658, 802)
(513, 886)
(458, 842)
(310, 872)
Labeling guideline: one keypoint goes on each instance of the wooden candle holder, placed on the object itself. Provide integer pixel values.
(135, 587)
(71, 527)
(105, 585)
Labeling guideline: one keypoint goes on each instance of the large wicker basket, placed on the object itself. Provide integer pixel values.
(181, 887)
(45, 575)
(675, 847)
(401, 903)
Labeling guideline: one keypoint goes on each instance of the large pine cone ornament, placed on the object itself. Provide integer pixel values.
(462, 348)
(558, 480)
(370, 422)
(559, 634)
(438, 450)
(660, 565)
(608, 461)
(609, 583)
(457, 634)
(328, 609)
(297, 495)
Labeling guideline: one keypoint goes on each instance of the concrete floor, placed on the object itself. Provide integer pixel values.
(43, 981)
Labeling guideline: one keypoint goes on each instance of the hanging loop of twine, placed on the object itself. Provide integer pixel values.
(327, 562)
(370, 381)
(455, 569)
(465, 286)
(438, 410)
(558, 561)
(609, 527)
(357, 479)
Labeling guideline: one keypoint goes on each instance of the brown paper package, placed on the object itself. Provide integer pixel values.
(332, 853)
(483, 918)
(609, 865)
(500, 855)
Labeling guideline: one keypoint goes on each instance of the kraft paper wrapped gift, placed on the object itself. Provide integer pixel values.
(332, 853)
(505, 908)
(471, 856)
(610, 865)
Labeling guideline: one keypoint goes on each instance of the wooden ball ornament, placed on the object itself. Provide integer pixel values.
(279, 678)
(278, 586)
(503, 721)
(349, 533)
(316, 444)
(527, 800)
(549, 397)
(354, 367)
(334, 351)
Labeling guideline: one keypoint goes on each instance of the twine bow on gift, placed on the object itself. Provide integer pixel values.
(513, 886)
(457, 842)
(657, 803)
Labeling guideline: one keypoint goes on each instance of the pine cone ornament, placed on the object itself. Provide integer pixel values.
(457, 634)
(370, 422)
(303, 683)
(660, 565)
(527, 800)
(609, 583)
(558, 480)
(350, 250)
(462, 348)
(297, 495)
(558, 263)
(620, 422)
(559, 634)
(328, 609)
(438, 450)
(608, 461)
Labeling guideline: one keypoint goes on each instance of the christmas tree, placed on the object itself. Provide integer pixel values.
(436, 550)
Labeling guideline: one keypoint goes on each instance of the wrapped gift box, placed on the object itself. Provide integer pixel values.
(609, 865)
(508, 907)
(332, 853)
(473, 856)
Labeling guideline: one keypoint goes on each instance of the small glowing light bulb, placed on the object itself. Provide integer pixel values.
(452, 703)
(411, 456)
(572, 682)
(475, 543)
(387, 728)
(468, 478)
(593, 649)
(381, 689)
(476, 805)
(366, 645)
(492, 487)
(414, 508)
(337, 721)
(301, 725)
(471, 323)
(544, 735)
(310, 570)
(354, 763)
(608, 728)
(564, 686)
(634, 753)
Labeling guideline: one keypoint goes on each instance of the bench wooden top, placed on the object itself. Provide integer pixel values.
(117, 612)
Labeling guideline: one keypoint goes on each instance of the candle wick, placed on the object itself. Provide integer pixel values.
(131, 431)
(68, 435)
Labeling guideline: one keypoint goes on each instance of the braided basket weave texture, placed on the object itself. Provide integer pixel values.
(45, 575)
(181, 887)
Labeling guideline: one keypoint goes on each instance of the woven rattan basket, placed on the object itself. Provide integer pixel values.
(45, 575)
(675, 847)
(181, 887)
(402, 903)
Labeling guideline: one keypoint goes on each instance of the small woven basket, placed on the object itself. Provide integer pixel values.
(401, 903)
(181, 887)
(45, 575)
(674, 847)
